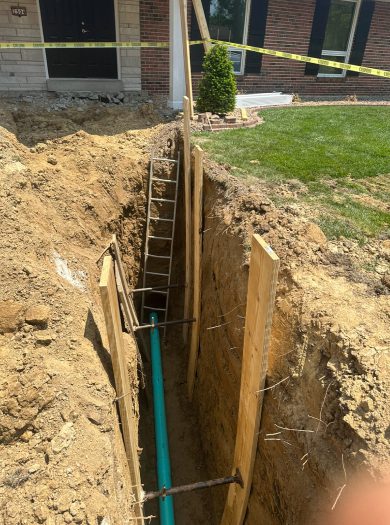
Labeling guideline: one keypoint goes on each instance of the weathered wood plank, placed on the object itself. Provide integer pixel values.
(109, 296)
(262, 282)
(187, 210)
(202, 23)
(186, 54)
(197, 233)
(124, 292)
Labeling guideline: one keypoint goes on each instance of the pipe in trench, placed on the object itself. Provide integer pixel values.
(167, 516)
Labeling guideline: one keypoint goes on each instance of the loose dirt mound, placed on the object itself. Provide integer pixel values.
(329, 357)
(68, 180)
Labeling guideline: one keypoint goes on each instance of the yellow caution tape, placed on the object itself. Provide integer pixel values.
(78, 45)
(311, 60)
(281, 54)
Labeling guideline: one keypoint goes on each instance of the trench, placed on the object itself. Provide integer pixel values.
(202, 433)
(310, 352)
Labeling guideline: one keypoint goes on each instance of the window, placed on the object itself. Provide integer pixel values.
(229, 22)
(339, 35)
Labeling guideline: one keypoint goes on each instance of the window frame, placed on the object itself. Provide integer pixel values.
(244, 39)
(347, 53)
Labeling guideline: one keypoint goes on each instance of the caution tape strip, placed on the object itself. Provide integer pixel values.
(78, 45)
(311, 60)
(261, 50)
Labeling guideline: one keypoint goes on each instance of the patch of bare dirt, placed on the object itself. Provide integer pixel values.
(68, 180)
(330, 353)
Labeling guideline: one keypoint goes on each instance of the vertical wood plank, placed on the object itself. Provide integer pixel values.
(124, 292)
(197, 233)
(262, 282)
(108, 293)
(187, 210)
(186, 54)
(202, 23)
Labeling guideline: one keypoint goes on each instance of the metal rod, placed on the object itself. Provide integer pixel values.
(194, 486)
(165, 323)
(158, 288)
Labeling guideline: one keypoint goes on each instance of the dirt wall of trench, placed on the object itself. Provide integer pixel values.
(323, 349)
(69, 180)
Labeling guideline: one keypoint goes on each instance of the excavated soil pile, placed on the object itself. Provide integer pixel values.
(329, 355)
(71, 178)
(68, 181)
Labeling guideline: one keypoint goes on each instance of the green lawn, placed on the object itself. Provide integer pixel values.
(317, 145)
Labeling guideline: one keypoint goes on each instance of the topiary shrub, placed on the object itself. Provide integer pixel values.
(218, 87)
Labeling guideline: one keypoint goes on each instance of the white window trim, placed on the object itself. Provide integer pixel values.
(347, 53)
(244, 39)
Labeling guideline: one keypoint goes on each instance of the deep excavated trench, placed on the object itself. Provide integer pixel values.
(311, 359)
(326, 369)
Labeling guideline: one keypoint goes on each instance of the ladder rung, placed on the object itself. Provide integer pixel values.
(160, 219)
(153, 308)
(162, 292)
(166, 160)
(158, 256)
(161, 200)
(157, 273)
(173, 181)
(161, 238)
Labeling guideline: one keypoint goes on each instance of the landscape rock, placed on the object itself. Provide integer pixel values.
(43, 337)
(313, 233)
(11, 316)
(37, 315)
(63, 439)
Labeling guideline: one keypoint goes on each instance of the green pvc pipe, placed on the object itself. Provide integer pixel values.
(167, 516)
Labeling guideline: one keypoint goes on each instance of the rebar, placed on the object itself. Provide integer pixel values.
(194, 486)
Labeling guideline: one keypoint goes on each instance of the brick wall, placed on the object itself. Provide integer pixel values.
(25, 69)
(21, 69)
(154, 20)
(288, 29)
(129, 30)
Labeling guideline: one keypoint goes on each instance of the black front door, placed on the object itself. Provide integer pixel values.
(79, 21)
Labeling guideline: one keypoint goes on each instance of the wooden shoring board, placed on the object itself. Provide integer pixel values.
(186, 54)
(202, 23)
(187, 210)
(123, 289)
(126, 301)
(198, 235)
(263, 274)
(109, 296)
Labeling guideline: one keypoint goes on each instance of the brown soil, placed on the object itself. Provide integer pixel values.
(329, 349)
(70, 179)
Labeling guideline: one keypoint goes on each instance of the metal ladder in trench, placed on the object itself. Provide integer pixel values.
(159, 246)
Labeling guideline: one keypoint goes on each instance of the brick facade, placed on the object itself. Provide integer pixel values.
(154, 22)
(24, 70)
(288, 28)
(21, 69)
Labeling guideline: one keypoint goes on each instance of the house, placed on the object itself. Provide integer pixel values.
(354, 31)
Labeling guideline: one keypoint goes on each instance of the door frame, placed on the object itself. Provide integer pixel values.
(118, 56)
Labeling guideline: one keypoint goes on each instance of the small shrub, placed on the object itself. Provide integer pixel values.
(218, 88)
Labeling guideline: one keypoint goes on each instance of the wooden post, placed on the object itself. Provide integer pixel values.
(187, 210)
(202, 23)
(197, 232)
(108, 292)
(262, 281)
(186, 54)
(124, 292)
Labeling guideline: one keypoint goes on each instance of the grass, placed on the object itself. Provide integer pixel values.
(315, 145)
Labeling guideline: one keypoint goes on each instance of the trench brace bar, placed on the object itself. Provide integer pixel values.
(164, 492)
(163, 323)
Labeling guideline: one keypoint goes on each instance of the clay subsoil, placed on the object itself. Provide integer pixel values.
(325, 417)
(69, 179)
